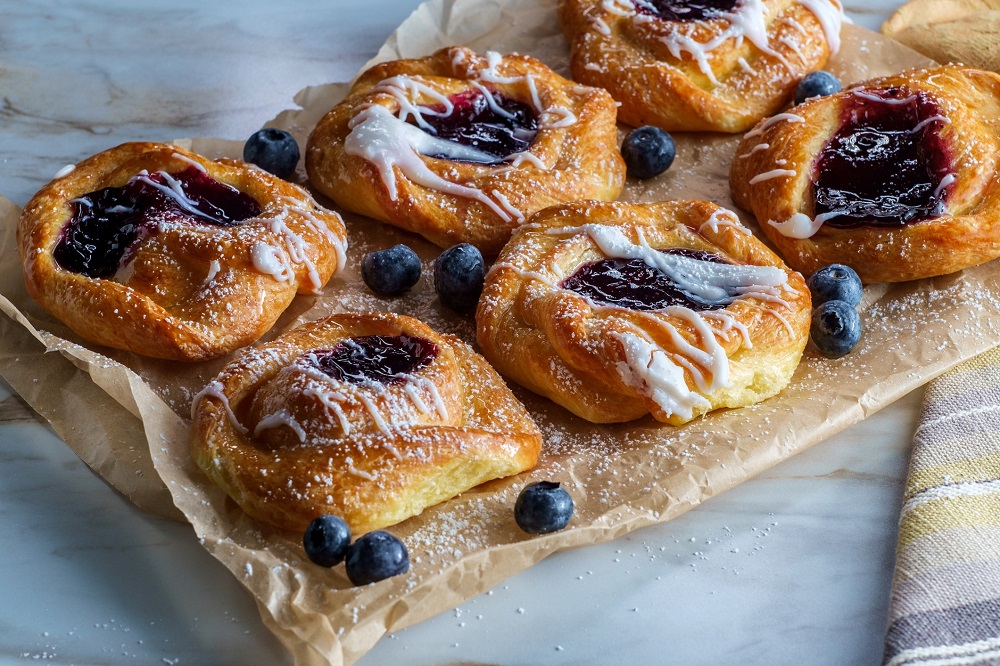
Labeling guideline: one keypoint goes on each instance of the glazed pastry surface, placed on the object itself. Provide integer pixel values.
(699, 66)
(369, 417)
(618, 310)
(460, 147)
(154, 249)
(895, 177)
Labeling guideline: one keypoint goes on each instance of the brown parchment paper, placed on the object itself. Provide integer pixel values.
(622, 477)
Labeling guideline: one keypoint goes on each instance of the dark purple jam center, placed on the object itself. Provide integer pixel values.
(384, 359)
(107, 224)
(679, 10)
(500, 128)
(885, 166)
(635, 285)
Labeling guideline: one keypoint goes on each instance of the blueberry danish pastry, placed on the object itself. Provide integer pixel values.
(708, 65)
(157, 250)
(618, 310)
(369, 417)
(460, 148)
(895, 177)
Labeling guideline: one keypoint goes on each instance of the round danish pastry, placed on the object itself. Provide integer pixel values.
(369, 417)
(157, 250)
(896, 177)
(616, 310)
(705, 65)
(460, 148)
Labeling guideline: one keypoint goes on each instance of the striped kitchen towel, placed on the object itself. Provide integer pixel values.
(945, 607)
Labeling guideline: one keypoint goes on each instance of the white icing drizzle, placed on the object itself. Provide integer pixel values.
(800, 225)
(648, 368)
(712, 283)
(508, 206)
(830, 14)
(556, 117)
(213, 269)
(339, 244)
(945, 182)
(600, 26)
(172, 188)
(794, 46)
(357, 472)
(774, 173)
(858, 92)
(282, 417)
(760, 129)
(382, 139)
(623, 8)
(330, 393)
(65, 171)
(757, 148)
(184, 158)
(331, 400)
(216, 390)
(723, 218)
(788, 20)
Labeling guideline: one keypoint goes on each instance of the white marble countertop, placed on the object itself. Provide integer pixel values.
(792, 567)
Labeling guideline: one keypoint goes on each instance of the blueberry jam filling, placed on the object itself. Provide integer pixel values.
(887, 165)
(635, 285)
(494, 124)
(679, 10)
(379, 358)
(106, 224)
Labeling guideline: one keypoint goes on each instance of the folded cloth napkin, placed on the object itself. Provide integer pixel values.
(962, 31)
(945, 606)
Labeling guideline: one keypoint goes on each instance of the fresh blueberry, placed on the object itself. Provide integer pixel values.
(835, 282)
(816, 84)
(273, 150)
(836, 328)
(543, 507)
(392, 271)
(326, 540)
(648, 151)
(458, 276)
(376, 556)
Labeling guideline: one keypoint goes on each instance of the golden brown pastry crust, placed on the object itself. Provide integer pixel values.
(657, 68)
(374, 455)
(567, 160)
(967, 234)
(610, 364)
(190, 291)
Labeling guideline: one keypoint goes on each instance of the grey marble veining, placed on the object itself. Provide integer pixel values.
(791, 567)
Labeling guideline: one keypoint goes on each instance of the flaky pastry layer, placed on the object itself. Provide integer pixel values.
(189, 291)
(774, 170)
(608, 363)
(716, 74)
(289, 443)
(573, 156)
